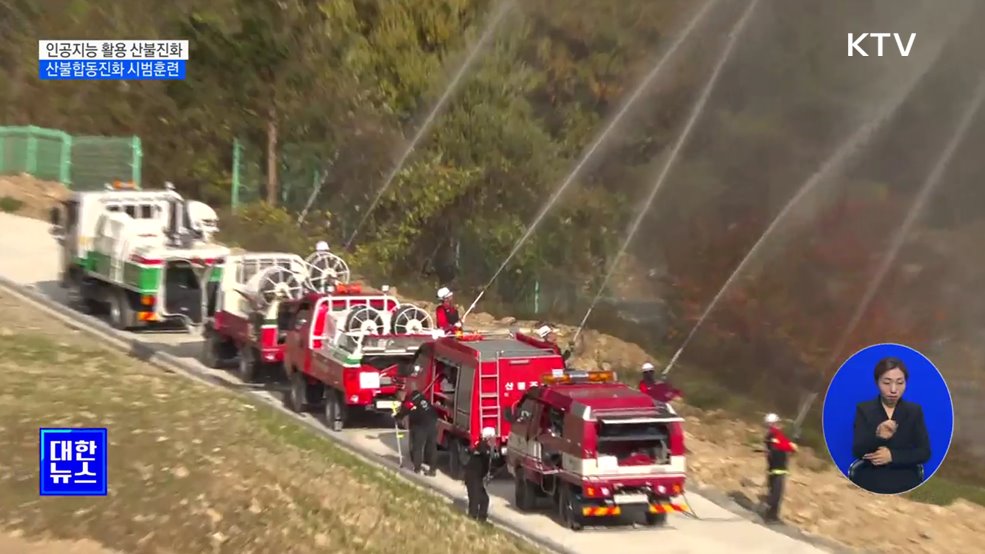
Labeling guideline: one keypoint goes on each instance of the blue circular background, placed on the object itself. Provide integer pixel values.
(854, 382)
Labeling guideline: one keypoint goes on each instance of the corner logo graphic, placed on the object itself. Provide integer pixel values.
(855, 43)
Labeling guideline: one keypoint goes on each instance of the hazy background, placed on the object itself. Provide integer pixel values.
(340, 83)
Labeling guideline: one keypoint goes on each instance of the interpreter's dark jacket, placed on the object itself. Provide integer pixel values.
(909, 446)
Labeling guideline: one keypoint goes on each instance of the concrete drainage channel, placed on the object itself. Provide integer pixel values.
(137, 349)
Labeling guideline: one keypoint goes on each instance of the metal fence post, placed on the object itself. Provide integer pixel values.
(65, 165)
(237, 155)
(31, 163)
(136, 162)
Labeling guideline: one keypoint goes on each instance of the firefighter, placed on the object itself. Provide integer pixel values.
(477, 472)
(548, 333)
(446, 315)
(422, 424)
(778, 450)
(649, 379)
(322, 246)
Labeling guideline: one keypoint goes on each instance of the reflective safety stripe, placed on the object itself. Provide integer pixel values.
(778, 472)
(667, 508)
(601, 511)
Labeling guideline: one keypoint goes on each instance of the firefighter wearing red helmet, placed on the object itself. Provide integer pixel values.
(446, 315)
(778, 450)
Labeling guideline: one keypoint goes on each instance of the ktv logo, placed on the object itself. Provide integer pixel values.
(855, 43)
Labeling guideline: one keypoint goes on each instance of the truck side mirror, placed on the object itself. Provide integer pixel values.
(55, 216)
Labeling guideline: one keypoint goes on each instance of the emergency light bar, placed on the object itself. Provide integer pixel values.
(121, 185)
(571, 377)
(346, 288)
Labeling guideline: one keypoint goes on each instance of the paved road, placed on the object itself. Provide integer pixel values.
(28, 255)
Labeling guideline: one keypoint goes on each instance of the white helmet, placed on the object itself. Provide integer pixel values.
(647, 367)
(488, 432)
(543, 331)
(322, 246)
(444, 292)
(772, 419)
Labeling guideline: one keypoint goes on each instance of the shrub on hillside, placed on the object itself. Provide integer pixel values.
(261, 227)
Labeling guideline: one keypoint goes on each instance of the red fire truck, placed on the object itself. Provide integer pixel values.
(471, 379)
(344, 348)
(596, 448)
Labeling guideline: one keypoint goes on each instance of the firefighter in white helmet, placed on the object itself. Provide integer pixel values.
(548, 333)
(648, 379)
(476, 473)
(446, 315)
(778, 450)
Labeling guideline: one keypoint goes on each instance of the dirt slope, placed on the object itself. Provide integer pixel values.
(820, 500)
(36, 197)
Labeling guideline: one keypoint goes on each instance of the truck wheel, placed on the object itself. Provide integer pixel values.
(299, 399)
(334, 411)
(569, 509)
(455, 455)
(655, 520)
(210, 349)
(523, 491)
(120, 312)
(249, 365)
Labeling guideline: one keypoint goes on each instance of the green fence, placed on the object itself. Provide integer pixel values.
(79, 162)
(299, 174)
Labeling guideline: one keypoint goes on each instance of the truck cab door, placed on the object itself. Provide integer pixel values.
(316, 333)
(298, 329)
(532, 410)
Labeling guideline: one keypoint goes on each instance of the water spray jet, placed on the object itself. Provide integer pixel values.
(696, 112)
(929, 185)
(830, 168)
(498, 16)
(600, 139)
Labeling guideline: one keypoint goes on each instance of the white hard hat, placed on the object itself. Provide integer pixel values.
(543, 331)
(444, 292)
(488, 432)
(322, 246)
(647, 367)
(771, 419)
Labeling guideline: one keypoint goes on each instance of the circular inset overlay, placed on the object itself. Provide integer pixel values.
(895, 383)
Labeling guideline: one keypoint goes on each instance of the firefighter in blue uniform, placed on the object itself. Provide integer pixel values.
(423, 426)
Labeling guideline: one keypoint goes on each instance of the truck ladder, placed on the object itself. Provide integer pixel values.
(493, 410)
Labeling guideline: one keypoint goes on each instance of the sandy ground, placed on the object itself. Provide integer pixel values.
(193, 468)
(14, 543)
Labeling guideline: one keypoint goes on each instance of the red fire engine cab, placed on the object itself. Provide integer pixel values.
(345, 347)
(596, 448)
(472, 379)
